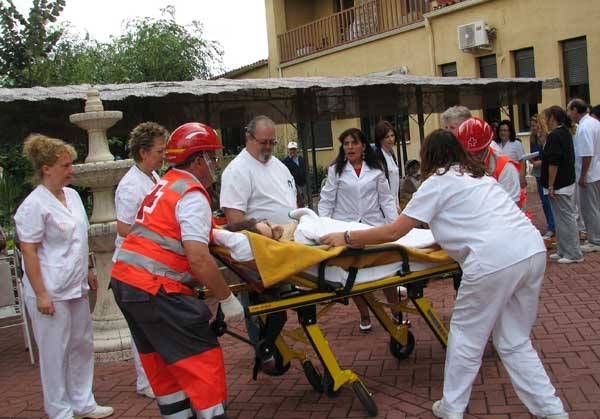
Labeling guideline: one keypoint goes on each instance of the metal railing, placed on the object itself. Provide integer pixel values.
(370, 18)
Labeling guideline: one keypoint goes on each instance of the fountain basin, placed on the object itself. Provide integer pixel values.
(99, 120)
(102, 174)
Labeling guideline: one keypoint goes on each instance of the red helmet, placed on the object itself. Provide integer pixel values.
(475, 134)
(191, 138)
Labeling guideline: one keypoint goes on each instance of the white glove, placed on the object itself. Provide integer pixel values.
(232, 309)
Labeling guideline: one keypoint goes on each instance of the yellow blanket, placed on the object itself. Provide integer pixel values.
(276, 260)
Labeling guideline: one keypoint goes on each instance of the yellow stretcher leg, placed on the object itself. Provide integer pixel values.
(433, 321)
(334, 377)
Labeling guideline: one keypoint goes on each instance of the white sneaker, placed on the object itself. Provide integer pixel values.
(147, 392)
(98, 413)
(438, 412)
(567, 260)
(589, 247)
(555, 256)
(563, 415)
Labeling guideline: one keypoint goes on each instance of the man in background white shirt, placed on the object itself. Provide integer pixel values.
(587, 170)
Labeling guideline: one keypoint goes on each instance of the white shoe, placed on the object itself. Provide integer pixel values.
(438, 412)
(567, 260)
(555, 256)
(589, 247)
(563, 415)
(147, 392)
(365, 328)
(548, 235)
(98, 413)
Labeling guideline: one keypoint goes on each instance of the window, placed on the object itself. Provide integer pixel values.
(322, 132)
(448, 70)
(233, 134)
(525, 67)
(489, 69)
(577, 84)
(343, 5)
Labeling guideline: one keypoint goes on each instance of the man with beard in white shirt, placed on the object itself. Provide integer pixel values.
(256, 185)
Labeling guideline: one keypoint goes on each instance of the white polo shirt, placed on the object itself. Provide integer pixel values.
(62, 233)
(457, 208)
(587, 144)
(260, 190)
(131, 191)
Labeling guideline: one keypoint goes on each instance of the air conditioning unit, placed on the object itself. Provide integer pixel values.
(473, 35)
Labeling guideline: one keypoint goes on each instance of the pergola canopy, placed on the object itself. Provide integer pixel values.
(218, 102)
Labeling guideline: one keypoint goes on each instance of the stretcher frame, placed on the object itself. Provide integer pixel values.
(308, 292)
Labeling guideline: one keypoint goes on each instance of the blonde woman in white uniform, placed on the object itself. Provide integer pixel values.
(501, 284)
(52, 226)
(147, 144)
(357, 190)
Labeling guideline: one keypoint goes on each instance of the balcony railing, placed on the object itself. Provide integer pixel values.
(370, 18)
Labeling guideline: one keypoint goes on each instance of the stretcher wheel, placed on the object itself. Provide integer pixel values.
(402, 351)
(328, 385)
(313, 376)
(365, 398)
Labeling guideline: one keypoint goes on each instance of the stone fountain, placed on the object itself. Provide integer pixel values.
(101, 173)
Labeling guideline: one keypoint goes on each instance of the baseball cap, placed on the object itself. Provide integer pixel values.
(292, 144)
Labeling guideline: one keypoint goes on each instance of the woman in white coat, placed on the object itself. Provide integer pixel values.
(147, 144)
(357, 190)
(385, 139)
(52, 227)
(501, 284)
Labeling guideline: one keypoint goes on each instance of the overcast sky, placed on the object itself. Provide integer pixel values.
(239, 25)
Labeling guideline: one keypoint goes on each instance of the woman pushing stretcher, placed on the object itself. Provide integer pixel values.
(499, 292)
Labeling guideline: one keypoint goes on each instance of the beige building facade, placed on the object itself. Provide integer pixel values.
(515, 38)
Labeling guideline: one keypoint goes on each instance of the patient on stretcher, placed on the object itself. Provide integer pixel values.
(280, 232)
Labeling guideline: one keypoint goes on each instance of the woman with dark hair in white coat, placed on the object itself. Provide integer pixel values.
(52, 227)
(500, 286)
(356, 189)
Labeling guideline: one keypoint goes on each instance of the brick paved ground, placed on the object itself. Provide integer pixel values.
(567, 335)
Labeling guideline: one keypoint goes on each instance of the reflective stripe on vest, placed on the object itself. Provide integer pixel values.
(154, 267)
(166, 243)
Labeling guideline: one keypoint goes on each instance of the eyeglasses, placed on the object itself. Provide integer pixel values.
(270, 142)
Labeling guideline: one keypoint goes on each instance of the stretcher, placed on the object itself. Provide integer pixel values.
(312, 292)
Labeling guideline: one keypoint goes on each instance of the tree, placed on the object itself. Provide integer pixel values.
(149, 50)
(161, 49)
(25, 42)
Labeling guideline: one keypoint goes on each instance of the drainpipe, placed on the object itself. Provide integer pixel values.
(429, 29)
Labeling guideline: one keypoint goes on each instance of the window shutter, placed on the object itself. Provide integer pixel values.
(575, 62)
(524, 63)
(449, 70)
(487, 66)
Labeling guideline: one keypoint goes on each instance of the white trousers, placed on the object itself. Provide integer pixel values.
(66, 352)
(503, 304)
(142, 380)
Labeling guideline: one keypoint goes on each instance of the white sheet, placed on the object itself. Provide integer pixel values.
(311, 227)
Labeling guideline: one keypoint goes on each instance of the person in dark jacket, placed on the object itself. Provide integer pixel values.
(295, 163)
(558, 180)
